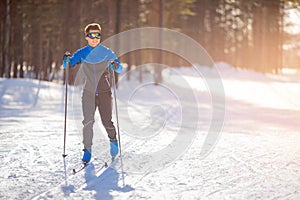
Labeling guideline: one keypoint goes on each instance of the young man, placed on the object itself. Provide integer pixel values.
(94, 59)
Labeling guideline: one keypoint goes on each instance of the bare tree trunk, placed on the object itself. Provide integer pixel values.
(66, 31)
(16, 38)
(114, 10)
(281, 38)
(2, 31)
(274, 44)
(7, 40)
(257, 39)
(157, 20)
(264, 38)
(15, 69)
(41, 72)
(21, 46)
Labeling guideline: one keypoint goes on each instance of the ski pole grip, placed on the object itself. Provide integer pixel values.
(67, 53)
(67, 56)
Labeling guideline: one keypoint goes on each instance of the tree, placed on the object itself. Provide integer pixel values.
(247, 34)
(2, 31)
(266, 26)
(7, 39)
(157, 20)
(17, 39)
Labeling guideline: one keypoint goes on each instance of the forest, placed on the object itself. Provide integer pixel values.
(261, 35)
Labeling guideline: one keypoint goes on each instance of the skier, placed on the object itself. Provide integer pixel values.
(96, 92)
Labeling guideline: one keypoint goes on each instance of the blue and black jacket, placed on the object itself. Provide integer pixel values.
(95, 62)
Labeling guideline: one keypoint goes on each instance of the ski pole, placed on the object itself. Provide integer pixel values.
(66, 103)
(117, 118)
(116, 110)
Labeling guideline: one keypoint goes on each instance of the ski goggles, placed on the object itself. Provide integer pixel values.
(94, 35)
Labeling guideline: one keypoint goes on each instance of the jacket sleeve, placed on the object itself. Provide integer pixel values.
(75, 59)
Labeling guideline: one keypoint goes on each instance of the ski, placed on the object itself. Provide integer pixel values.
(107, 164)
(83, 165)
(80, 167)
(111, 162)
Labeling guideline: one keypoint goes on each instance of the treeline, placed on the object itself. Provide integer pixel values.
(34, 34)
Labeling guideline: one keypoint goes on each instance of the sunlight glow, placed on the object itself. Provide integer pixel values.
(292, 21)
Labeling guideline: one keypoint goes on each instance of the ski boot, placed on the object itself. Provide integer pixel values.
(114, 148)
(87, 155)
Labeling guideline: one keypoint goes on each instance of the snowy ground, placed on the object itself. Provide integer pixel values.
(257, 155)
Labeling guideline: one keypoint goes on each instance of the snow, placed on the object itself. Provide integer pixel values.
(163, 131)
